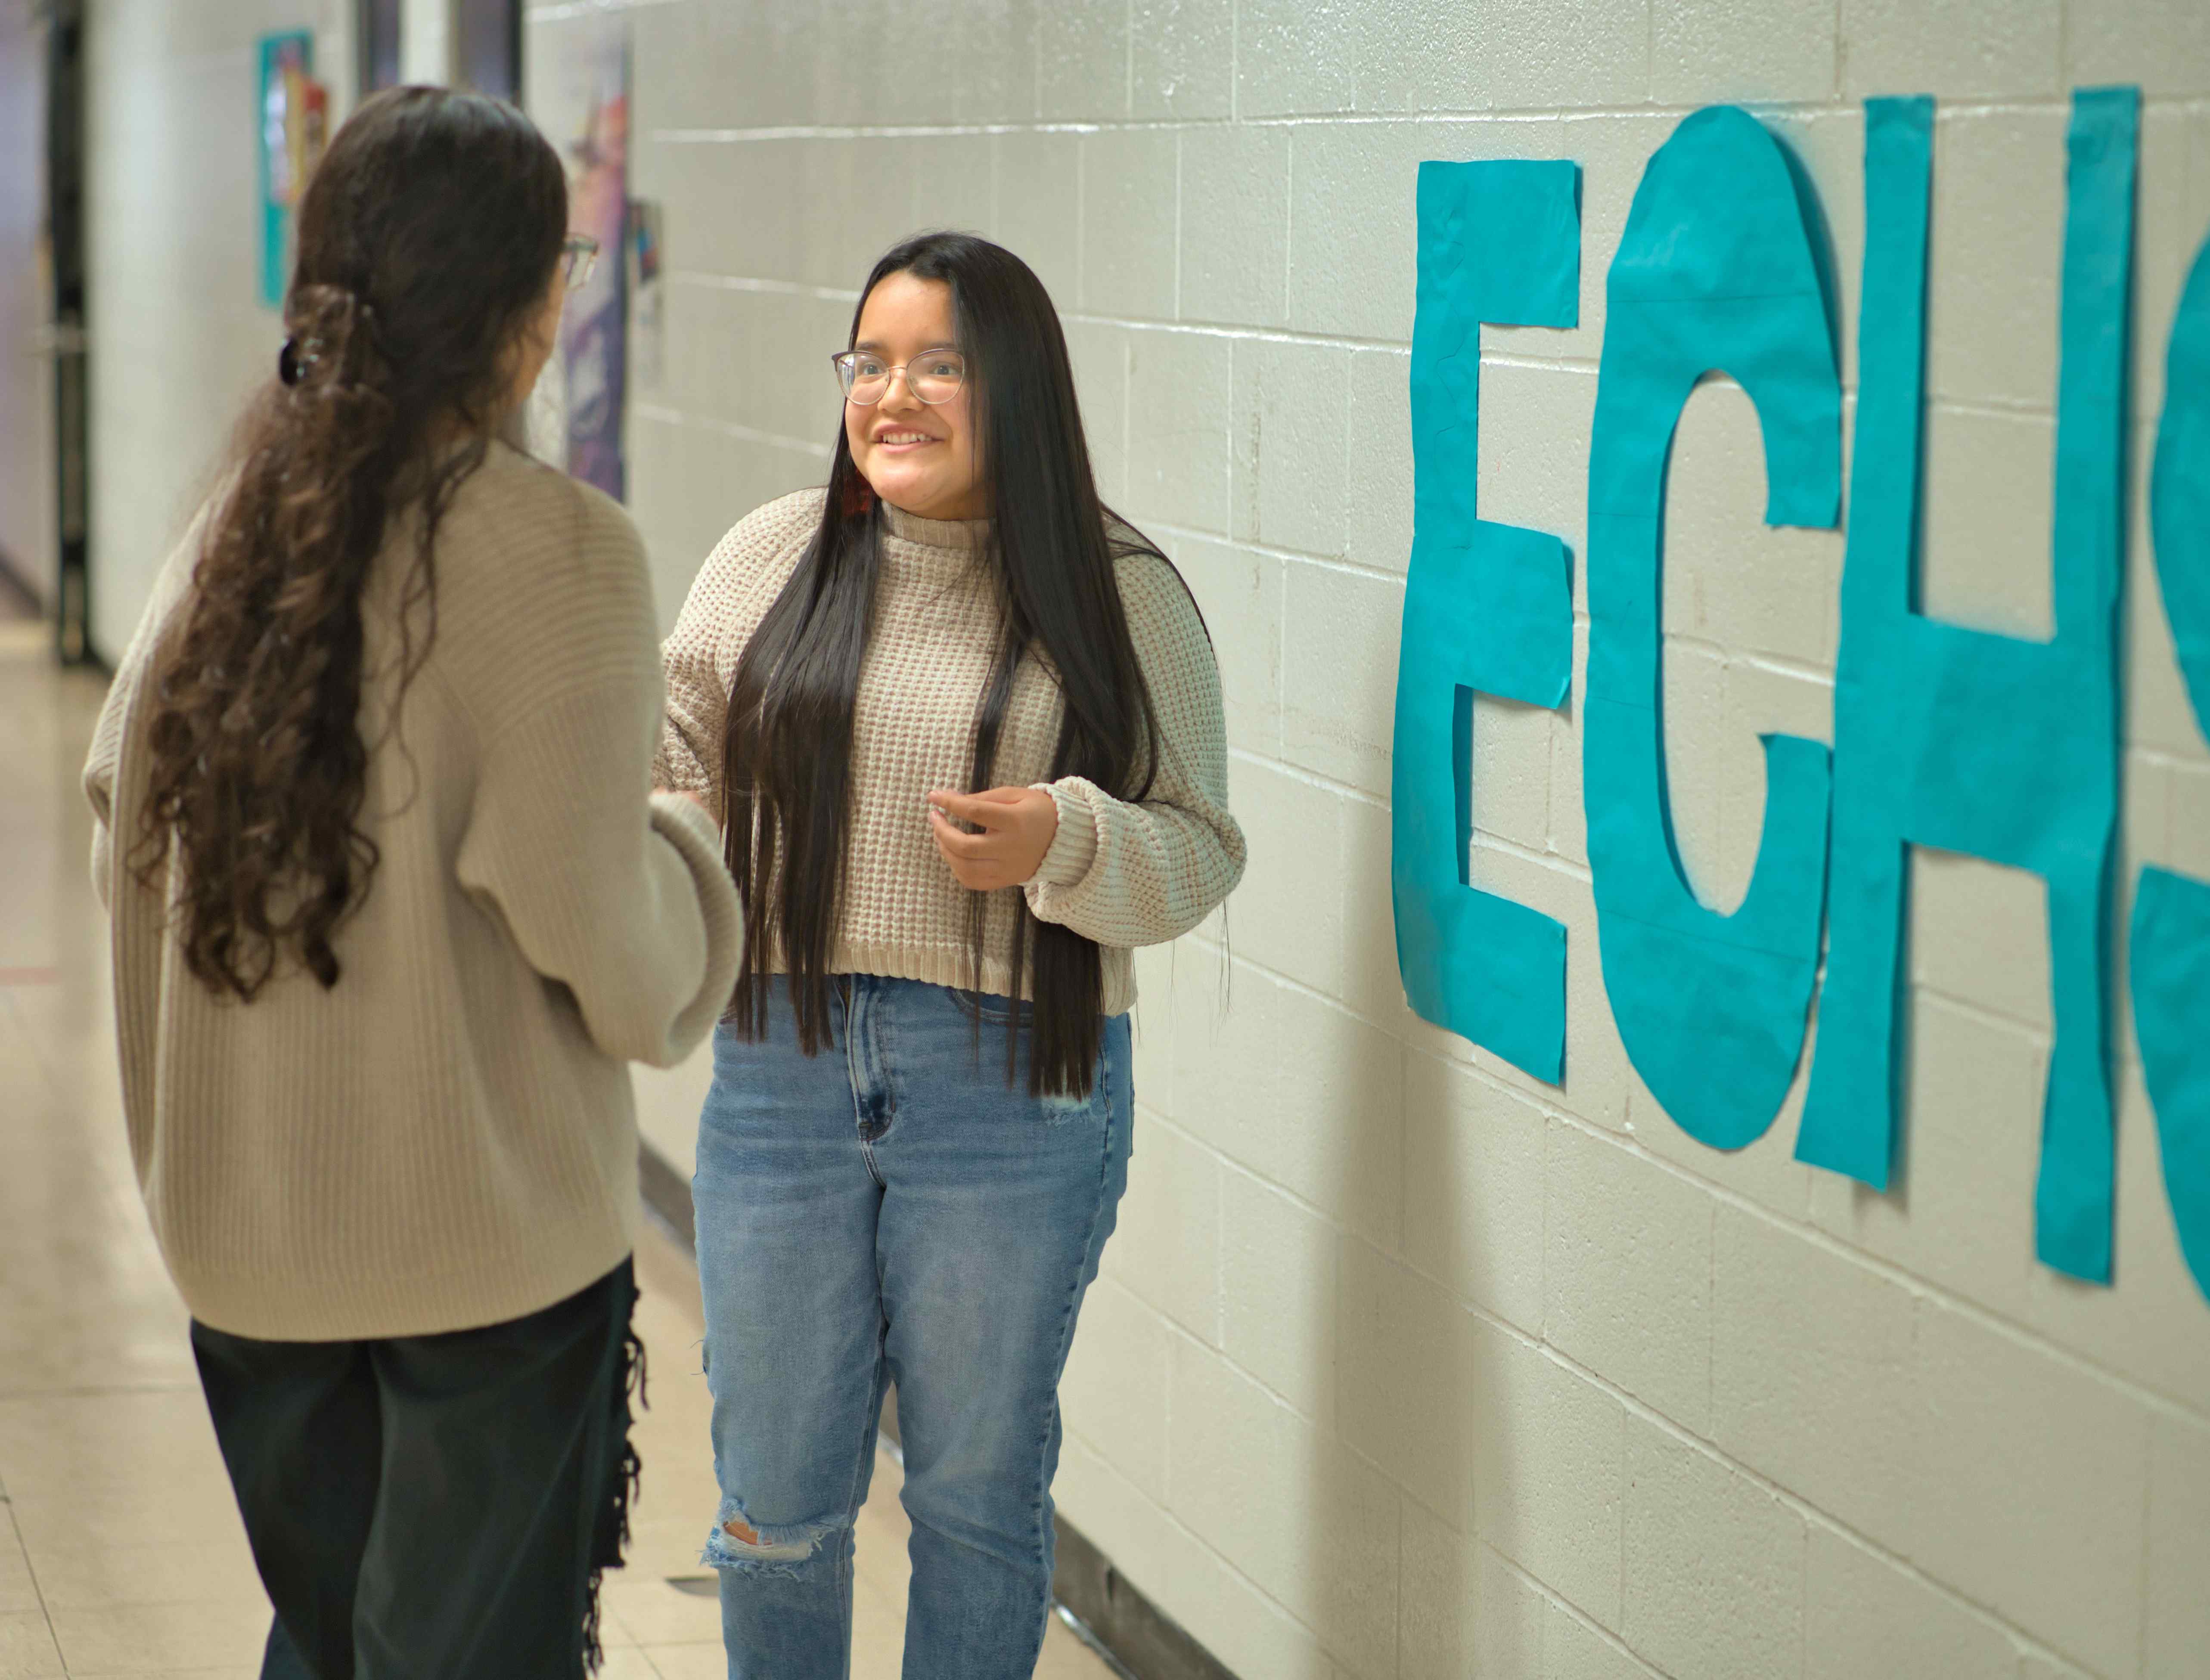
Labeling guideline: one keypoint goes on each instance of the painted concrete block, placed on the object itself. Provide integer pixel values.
(1313, 1524)
(1729, 577)
(1574, 1649)
(1290, 906)
(996, 52)
(1952, 45)
(1971, 1119)
(1291, 432)
(1721, 51)
(1993, 261)
(1864, 1615)
(1352, 254)
(1543, 57)
(1082, 60)
(1627, 1272)
(1040, 209)
(1114, 1389)
(1167, 1247)
(1174, 1569)
(1294, 58)
(1535, 424)
(1182, 58)
(1550, 1470)
(1474, 1153)
(1099, 352)
(1129, 218)
(1440, 1613)
(1279, 1261)
(2176, 1633)
(2162, 45)
(1511, 771)
(2031, 1484)
(1373, 987)
(1979, 933)
(1240, 595)
(1300, 1094)
(1714, 1565)
(955, 183)
(1234, 224)
(1812, 1371)
(1987, 503)
(1339, 673)
(1179, 386)
(1405, 1379)
(1379, 488)
(1693, 709)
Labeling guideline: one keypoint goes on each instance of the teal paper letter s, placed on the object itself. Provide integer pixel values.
(1716, 271)
(2171, 913)
(1487, 607)
(1983, 743)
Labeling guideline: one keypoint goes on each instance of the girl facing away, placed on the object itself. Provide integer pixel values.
(394, 905)
(963, 726)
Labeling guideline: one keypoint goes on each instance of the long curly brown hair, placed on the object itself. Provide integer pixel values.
(429, 238)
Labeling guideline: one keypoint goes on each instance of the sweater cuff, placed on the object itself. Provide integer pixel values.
(698, 840)
(1074, 847)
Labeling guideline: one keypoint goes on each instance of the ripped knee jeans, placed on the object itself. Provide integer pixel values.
(891, 1211)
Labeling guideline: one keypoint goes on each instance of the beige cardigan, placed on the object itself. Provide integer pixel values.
(1121, 872)
(446, 1139)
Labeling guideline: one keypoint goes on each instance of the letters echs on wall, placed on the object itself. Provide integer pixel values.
(1978, 742)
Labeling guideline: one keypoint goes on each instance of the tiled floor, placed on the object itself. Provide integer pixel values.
(120, 1549)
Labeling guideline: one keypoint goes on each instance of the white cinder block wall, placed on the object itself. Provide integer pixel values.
(179, 334)
(1403, 1363)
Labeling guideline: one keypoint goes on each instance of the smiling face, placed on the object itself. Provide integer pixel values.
(919, 456)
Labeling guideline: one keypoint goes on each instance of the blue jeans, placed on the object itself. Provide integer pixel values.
(890, 1211)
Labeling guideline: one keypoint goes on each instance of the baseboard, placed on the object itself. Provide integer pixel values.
(1106, 1609)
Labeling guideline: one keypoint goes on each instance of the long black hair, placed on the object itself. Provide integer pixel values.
(786, 753)
(428, 240)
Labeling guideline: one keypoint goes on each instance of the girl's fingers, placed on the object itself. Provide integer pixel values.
(957, 844)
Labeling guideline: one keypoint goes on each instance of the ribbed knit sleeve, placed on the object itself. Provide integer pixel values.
(1139, 873)
(624, 903)
(733, 588)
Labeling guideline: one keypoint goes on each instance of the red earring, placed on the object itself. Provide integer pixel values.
(859, 497)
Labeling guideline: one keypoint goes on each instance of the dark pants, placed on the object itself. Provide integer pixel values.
(434, 1507)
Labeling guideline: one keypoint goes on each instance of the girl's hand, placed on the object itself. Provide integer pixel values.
(1018, 823)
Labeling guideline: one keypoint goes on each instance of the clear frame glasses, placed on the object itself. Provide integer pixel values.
(578, 257)
(934, 375)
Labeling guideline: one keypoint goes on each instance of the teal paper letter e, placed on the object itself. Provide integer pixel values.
(1487, 607)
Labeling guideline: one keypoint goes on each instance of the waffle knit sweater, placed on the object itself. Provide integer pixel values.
(1124, 874)
(446, 1139)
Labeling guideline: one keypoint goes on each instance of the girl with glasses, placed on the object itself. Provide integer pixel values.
(963, 726)
(393, 908)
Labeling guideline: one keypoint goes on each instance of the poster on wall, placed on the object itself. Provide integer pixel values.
(294, 115)
(579, 96)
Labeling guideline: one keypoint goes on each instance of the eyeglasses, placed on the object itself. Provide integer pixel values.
(579, 255)
(934, 375)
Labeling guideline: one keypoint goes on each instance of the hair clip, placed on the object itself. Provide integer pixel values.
(287, 362)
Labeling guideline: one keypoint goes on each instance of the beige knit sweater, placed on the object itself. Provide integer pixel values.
(446, 1139)
(1122, 874)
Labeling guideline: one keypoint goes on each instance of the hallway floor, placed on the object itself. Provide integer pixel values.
(120, 1549)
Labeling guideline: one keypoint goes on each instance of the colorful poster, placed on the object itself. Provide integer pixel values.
(294, 109)
(579, 96)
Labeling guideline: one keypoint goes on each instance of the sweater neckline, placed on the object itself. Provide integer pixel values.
(963, 537)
